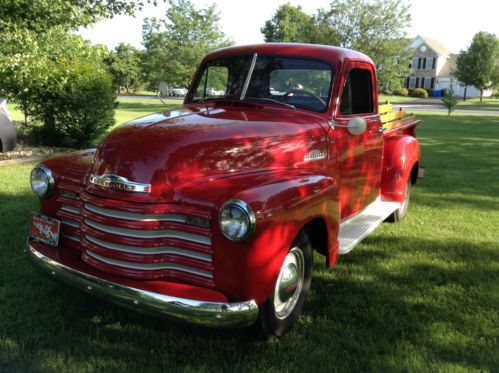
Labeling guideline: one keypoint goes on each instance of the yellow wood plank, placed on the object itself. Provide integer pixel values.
(398, 123)
(392, 116)
(385, 108)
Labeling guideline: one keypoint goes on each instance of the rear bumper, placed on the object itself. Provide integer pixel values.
(212, 314)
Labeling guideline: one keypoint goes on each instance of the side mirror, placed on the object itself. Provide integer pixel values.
(162, 92)
(356, 126)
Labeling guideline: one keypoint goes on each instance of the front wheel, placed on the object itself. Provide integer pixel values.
(280, 312)
(401, 212)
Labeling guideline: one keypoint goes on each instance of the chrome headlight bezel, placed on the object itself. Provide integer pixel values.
(247, 213)
(49, 181)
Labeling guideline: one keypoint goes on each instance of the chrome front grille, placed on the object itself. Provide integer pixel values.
(145, 241)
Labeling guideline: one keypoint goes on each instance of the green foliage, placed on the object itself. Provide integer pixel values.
(495, 94)
(289, 24)
(75, 106)
(175, 45)
(376, 28)
(418, 92)
(401, 92)
(450, 101)
(125, 67)
(41, 73)
(41, 15)
(479, 64)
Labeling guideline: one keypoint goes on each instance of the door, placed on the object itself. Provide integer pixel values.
(360, 155)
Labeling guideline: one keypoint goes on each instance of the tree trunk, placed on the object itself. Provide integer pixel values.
(26, 118)
(465, 89)
(481, 95)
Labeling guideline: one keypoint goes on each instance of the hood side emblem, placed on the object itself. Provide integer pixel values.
(116, 182)
(314, 155)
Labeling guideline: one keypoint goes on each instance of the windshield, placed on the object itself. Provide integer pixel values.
(297, 82)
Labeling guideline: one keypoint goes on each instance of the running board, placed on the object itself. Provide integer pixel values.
(355, 229)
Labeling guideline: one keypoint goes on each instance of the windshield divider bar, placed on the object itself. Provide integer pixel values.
(248, 77)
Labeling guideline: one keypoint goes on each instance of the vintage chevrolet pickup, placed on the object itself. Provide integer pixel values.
(210, 213)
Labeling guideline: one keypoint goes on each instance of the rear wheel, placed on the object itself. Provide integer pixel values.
(401, 212)
(280, 312)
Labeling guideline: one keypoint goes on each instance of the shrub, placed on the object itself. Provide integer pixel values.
(75, 105)
(419, 92)
(401, 92)
(495, 94)
(450, 101)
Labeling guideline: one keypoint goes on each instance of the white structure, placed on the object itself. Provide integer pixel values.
(433, 66)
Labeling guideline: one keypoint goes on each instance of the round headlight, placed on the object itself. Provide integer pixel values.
(42, 181)
(237, 221)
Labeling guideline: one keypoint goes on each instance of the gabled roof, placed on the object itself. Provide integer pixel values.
(449, 66)
(434, 44)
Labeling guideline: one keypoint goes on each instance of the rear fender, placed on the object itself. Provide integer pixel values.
(400, 155)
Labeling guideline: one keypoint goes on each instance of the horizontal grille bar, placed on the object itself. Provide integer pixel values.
(71, 223)
(149, 250)
(70, 237)
(71, 209)
(135, 216)
(149, 234)
(150, 267)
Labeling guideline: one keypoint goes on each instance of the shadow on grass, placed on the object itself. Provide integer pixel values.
(390, 302)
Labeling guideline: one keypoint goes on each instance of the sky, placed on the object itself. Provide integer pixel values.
(452, 22)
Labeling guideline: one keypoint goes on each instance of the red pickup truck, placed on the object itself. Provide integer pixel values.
(210, 213)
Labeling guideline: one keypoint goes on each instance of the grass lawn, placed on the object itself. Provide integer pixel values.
(421, 295)
(488, 103)
(391, 99)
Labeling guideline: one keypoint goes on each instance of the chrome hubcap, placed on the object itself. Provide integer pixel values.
(289, 283)
(405, 203)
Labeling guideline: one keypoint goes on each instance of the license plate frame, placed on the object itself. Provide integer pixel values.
(44, 229)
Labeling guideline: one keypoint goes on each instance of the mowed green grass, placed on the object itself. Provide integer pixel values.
(383, 98)
(421, 295)
(488, 103)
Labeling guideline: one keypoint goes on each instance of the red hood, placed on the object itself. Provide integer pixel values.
(180, 148)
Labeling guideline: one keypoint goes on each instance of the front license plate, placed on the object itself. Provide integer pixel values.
(44, 229)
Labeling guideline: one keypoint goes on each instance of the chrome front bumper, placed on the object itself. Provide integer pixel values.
(211, 314)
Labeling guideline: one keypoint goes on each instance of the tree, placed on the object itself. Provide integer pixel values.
(376, 28)
(124, 66)
(289, 24)
(175, 45)
(450, 100)
(41, 15)
(479, 64)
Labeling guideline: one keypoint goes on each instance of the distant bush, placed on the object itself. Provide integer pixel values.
(495, 94)
(75, 105)
(401, 92)
(419, 92)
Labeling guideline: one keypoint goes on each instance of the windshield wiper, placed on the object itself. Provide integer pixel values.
(270, 100)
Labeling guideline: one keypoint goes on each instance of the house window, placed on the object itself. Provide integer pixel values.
(412, 82)
(357, 97)
(424, 63)
(429, 63)
(415, 63)
(427, 83)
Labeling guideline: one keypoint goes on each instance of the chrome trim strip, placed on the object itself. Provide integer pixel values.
(134, 216)
(70, 237)
(71, 223)
(248, 77)
(71, 209)
(150, 266)
(214, 314)
(149, 250)
(149, 234)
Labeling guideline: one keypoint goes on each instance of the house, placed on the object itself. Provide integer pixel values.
(432, 67)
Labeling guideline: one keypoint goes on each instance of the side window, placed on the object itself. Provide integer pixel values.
(357, 95)
(213, 83)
